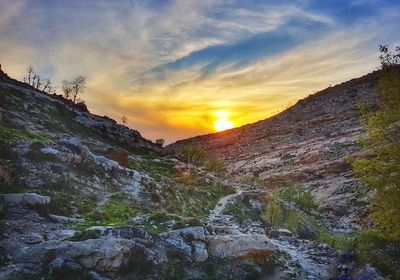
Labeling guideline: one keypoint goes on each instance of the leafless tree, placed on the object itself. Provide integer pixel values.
(124, 120)
(47, 85)
(36, 83)
(67, 89)
(160, 142)
(78, 85)
(29, 75)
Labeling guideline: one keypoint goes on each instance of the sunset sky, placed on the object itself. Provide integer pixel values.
(174, 68)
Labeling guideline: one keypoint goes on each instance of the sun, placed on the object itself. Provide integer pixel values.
(222, 124)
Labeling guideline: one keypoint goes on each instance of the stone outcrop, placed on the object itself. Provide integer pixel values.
(28, 199)
(236, 246)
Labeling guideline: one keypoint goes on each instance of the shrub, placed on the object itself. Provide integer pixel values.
(214, 165)
(193, 154)
(303, 199)
(371, 247)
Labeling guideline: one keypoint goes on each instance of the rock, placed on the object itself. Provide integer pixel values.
(178, 249)
(75, 144)
(120, 156)
(94, 276)
(33, 238)
(56, 264)
(4, 175)
(64, 220)
(73, 141)
(28, 199)
(103, 255)
(233, 246)
(72, 266)
(280, 232)
(188, 233)
(106, 163)
(305, 232)
(136, 176)
(62, 234)
(125, 232)
(140, 219)
(62, 156)
(200, 253)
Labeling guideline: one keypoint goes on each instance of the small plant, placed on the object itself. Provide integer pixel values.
(12, 135)
(193, 154)
(214, 165)
(303, 199)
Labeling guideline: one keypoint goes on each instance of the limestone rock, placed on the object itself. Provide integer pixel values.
(33, 238)
(65, 220)
(234, 246)
(28, 199)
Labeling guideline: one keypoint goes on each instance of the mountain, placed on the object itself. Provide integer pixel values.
(309, 143)
(83, 197)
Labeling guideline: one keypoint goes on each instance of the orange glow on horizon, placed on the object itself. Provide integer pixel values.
(222, 123)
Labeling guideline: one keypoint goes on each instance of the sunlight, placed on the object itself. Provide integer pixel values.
(222, 122)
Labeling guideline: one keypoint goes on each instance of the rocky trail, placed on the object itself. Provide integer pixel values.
(304, 259)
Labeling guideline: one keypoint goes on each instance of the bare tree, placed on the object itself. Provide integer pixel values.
(67, 89)
(160, 142)
(29, 75)
(124, 120)
(47, 85)
(36, 83)
(78, 85)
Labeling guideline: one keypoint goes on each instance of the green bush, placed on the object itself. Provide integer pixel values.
(214, 165)
(301, 198)
(371, 247)
(193, 154)
(338, 241)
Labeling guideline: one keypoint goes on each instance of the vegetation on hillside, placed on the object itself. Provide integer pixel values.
(196, 155)
(381, 171)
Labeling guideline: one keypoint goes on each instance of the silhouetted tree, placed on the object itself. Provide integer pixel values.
(160, 142)
(46, 85)
(78, 85)
(124, 119)
(67, 89)
(29, 75)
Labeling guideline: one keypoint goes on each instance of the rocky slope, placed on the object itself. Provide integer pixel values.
(309, 144)
(83, 197)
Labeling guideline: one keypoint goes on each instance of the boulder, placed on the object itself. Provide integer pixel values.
(28, 199)
(64, 220)
(61, 234)
(243, 245)
(106, 163)
(103, 255)
(62, 156)
(33, 238)
(200, 253)
(188, 233)
(126, 232)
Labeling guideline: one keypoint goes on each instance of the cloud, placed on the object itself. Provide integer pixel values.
(170, 65)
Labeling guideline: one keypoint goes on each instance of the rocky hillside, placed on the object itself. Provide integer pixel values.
(83, 197)
(308, 144)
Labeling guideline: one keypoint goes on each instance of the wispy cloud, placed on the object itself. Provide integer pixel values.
(169, 65)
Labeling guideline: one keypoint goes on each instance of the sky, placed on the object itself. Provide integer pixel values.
(175, 68)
